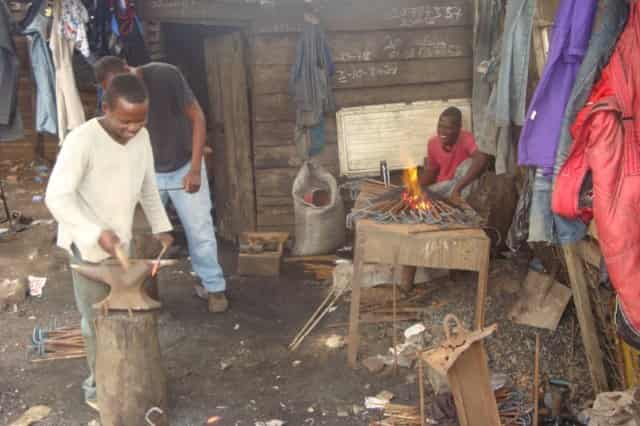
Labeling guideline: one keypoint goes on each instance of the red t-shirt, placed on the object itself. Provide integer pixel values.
(448, 162)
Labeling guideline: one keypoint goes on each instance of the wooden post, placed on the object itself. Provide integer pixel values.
(130, 375)
(536, 381)
(483, 283)
(581, 300)
(354, 314)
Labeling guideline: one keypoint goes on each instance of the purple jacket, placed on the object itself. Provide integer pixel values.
(569, 42)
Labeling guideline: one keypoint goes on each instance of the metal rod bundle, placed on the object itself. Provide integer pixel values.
(394, 206)
(57, 343)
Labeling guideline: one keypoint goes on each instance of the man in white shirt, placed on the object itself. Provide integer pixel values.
(105, 167)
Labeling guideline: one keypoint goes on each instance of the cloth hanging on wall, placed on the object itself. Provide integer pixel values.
(569, 41)
(125, 25)
(610, 24)
(607, 143)
(35, 26)
(506, 105)
(10, 117)
(310, 86)
(69, 106)
(487, 37)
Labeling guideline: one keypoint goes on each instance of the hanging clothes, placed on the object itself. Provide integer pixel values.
(99, 27)
(509, 103)
(310, 86)
(126, 29)
(69, 106)
(539, 138)
(610, 24)
(35, 27)
(506, 105)
(607, 143)
(487, 34)
(10, 117)
(73, 25)
(570, 39)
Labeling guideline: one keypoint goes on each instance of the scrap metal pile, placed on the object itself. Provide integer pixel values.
(412, 205)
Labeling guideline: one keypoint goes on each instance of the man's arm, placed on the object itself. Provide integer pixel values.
(150, 198)
(195, 115)
(62, 198)
(478, 165)
(430, 172)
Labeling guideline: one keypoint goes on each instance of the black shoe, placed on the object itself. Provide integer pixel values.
(624, 329)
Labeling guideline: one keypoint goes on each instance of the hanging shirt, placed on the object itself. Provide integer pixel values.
(35, 28)
(448, 161)
(11, 127)
(570, 39)
(73, 25)
(69, 107)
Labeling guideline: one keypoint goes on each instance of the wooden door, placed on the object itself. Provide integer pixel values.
(230, 123)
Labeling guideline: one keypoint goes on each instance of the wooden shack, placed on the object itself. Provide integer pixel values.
(237, 56)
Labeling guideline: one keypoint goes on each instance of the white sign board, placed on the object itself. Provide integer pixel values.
(397, 133)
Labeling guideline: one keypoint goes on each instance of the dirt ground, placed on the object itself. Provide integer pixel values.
(237, 365)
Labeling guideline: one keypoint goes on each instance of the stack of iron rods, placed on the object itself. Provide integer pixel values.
(391, 207)
(58, 343)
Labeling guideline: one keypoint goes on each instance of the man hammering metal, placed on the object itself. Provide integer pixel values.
(177, 129)
(95, 220)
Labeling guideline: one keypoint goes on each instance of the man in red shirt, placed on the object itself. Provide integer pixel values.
(453, 161)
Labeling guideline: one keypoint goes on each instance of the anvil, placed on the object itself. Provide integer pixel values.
(127, 286)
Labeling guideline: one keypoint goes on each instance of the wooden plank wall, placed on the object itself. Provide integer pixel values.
(401, 51)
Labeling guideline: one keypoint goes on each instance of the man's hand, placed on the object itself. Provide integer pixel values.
(455, 197)
(108, 241)
(191, 182)
(165, 238)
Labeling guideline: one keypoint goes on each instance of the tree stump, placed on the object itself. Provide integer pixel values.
(130, 376)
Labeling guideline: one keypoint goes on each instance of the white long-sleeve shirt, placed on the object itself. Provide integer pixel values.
(95, 186)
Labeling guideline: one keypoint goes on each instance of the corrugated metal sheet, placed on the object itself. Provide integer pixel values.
(397, 133)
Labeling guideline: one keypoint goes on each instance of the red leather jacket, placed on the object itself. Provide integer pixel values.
(607, 143)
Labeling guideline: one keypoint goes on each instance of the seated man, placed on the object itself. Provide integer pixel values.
(453, 161)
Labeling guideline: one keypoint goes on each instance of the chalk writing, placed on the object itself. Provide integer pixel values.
(425, 15)
(172, 4)
(353, 73)
(280, 28)
(394, 48)
(354, 55)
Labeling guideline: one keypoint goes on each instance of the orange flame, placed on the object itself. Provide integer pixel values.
(413, 194)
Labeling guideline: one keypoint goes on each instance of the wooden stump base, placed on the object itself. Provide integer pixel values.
(130, 376)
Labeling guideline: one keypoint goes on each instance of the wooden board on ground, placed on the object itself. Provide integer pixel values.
(541, 302)
(582, 302)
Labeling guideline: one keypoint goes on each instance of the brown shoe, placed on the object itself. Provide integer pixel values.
(218, 302)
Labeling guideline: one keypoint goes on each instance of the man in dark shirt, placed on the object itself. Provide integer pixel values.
(177, 128)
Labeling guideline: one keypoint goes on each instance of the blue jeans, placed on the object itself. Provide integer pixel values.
(546, 227)
(194, 211)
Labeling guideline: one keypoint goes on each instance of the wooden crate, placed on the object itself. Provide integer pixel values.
(262, 264)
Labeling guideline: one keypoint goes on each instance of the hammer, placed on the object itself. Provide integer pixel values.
(122, 257)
